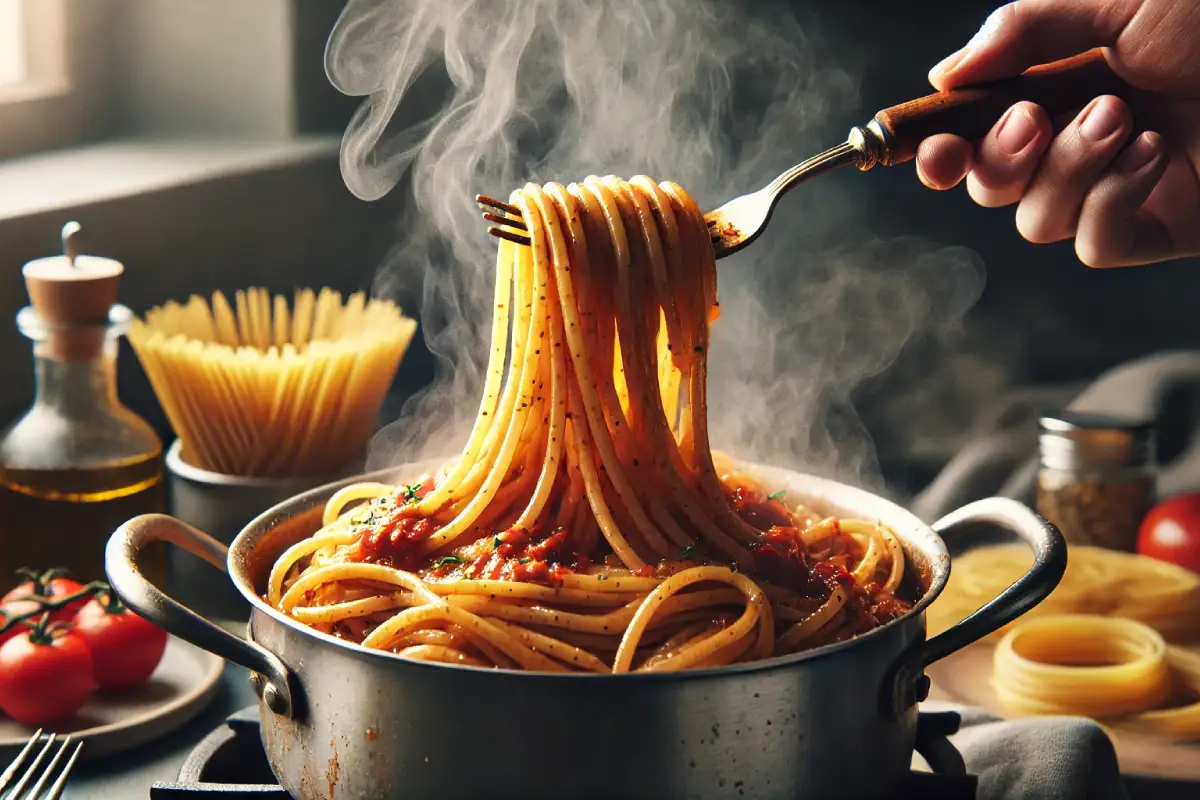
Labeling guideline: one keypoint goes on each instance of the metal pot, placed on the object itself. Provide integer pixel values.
(221, 505)
(339, 721)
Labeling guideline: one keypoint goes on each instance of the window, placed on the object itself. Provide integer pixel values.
(53, 71)
(12, 43)
(32, 49)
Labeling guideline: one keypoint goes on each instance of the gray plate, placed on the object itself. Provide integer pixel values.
(110, 722)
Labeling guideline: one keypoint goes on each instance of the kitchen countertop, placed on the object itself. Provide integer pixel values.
(131, 774)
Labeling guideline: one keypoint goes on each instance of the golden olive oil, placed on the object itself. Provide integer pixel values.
(64, 517)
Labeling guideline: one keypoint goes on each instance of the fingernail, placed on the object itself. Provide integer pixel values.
(1143, 150)
(1017, 130)
(949, 62)
(1100, 121)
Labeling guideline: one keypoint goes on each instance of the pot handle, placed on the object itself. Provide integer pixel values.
(1049, 563)
(135, 591)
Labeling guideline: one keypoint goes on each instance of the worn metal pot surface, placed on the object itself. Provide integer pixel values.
(339, 721)
(221, 506)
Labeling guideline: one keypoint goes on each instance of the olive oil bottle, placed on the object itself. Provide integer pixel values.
(78, 463)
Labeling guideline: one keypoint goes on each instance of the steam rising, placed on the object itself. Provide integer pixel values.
(473, 96)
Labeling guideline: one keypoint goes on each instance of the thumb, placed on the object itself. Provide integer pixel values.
(1024, 33)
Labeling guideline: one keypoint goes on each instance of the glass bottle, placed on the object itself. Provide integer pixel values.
(1097, 479)
(78, 464)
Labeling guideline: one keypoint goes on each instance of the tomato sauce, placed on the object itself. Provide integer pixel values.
(393, 533)
(393, 541)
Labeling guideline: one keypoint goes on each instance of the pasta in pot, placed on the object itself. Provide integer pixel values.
(585, 525)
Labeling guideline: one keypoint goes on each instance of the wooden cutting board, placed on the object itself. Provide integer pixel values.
(965, 677)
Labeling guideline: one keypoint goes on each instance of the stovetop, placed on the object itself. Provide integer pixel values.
(230, 764)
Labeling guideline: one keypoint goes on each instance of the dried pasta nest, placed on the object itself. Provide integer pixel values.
(1097, 581)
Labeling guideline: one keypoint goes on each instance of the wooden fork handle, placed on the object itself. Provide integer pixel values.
(970, 112)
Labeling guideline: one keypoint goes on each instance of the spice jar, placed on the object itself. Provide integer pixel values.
(1096, 481)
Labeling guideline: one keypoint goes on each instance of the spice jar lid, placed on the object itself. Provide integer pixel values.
(1077, 439)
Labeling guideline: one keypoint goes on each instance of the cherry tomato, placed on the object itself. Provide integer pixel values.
(57, 586)
(45, 676)
(1171, 532)
(19, 628)
(125, 648)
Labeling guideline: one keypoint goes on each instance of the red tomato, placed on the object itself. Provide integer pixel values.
(15, 602)
(125, 648)
(20, 627)
(41, 683)
(1171, 532)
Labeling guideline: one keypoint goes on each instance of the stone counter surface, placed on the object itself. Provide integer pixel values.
(131, 774)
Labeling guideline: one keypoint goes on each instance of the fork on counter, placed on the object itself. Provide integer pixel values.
(18, 775)
(892, 137)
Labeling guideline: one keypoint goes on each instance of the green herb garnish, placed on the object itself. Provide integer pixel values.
(601, 577)
(496, 542)
(526, 560)
(410, 493)
(777, 495)
(444, 560)
(688, 552)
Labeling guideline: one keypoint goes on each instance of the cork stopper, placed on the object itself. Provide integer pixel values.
(72, 294)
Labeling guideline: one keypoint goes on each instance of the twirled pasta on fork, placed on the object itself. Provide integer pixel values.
(586, 524)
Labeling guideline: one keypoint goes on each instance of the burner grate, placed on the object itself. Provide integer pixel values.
(229, 764)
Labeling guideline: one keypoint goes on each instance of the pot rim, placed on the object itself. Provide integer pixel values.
(180, 468)
(913, 533)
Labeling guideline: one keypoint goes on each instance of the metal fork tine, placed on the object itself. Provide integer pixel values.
(33, 768)
(57, 788)
(36, 791)
(509, 221)
(7, 776)
(504, 233)
(508, 208)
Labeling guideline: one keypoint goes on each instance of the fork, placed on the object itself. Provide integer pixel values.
(892, 137)
(34, 771)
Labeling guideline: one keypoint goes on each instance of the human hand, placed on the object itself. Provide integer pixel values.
(1124, 199)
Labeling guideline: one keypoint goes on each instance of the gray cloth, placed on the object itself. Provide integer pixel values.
(1064, 758)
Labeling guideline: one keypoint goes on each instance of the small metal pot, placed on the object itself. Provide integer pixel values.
(221, 505)
(339, 721)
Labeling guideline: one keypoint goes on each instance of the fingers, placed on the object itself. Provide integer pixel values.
(1005, 159)
(1021, 34)
(1050, 207)
(943, 161)
(1114, 229)
(998, 170)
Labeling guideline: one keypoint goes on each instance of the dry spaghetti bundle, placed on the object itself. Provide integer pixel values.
(1097, 581)
(262, 389)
